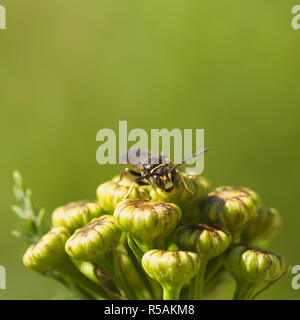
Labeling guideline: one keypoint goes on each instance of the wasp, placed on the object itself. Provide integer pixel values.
(154, 170)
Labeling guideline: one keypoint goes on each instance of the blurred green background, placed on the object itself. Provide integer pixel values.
(70, 68)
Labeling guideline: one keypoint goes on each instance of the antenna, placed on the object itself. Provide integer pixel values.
(189, 158)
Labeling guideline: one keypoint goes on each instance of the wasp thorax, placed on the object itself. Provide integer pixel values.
(110, 193)
(92, 242)
(147, 220)
(208, 242)
(76, 214)
(49, 253)
(231, 208)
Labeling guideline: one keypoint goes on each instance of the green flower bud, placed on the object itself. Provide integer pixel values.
(172, 269)
(49, 253)
(203, 182)
(253, 265)
(126, 180)
(251, 268)
(95, 240)
(263, 227)
(208, 242)
(231, 208)
(110, 193)
(147, 221)
(76, 214)
(180, 195)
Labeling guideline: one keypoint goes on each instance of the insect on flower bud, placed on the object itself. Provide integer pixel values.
(251, 267)
(263, 227)
(110, 193)
(181, 195)
(148, 221)
(188, 201)
(76, 214)
(208, 242)
(49, 253)
(95, 240)
(172, 269)
(231, 208)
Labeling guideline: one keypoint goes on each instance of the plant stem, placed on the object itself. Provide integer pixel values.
(243, 291)
(119, 279)
(144, 246)
(215, 280)
(76, 292)
(138, 268)
(217, 265)
(236, 237)
(152, 285)
(196, 290)
(110, 264)
(69, 271)
(171, 293)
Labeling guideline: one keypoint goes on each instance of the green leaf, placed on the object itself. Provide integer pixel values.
(25, 210)
(29, 238)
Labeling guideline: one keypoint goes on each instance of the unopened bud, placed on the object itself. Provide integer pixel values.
(263, 227)
(252, 267)
(194, 191)
(172, 269)
(76, 214)
(208, 242)
(110, 193)
(147, 220)
(49, 253)
(231, 208)
(95, 240)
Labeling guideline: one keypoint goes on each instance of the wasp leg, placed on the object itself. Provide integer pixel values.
(142, 183)
(136, 181)
(129, 190)
(184, 183)
(129, 171)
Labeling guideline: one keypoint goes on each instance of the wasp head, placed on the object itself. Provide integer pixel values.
(164, 178)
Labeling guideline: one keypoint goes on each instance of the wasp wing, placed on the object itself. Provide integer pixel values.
(137, 156)
(134, 157)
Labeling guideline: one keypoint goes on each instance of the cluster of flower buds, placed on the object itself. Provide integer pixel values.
(141, 242)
